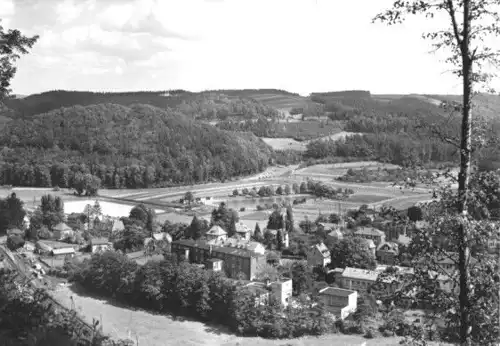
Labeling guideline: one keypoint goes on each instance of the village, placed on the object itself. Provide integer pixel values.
(250, 256)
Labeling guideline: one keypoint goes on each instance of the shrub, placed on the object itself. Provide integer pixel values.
(388, 333)
(56, 188)
(370, 334)
(242, 209)
(195, 292)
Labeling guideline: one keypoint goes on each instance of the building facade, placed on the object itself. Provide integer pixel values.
(358, 279)
(318, 255)
(340, 302)
(371, 233)
(236, 260)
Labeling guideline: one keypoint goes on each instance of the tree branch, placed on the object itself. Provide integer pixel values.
(451, 12)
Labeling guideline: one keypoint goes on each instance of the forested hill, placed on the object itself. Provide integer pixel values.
(125, 146)
(207, 105)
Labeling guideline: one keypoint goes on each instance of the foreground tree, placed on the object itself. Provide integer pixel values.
(12, 44)
(11, 213)
(465, 39)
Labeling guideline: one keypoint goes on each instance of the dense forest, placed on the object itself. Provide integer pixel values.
(205, 105)
(126, 147)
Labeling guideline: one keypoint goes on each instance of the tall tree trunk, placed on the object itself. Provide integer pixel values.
(463, 180)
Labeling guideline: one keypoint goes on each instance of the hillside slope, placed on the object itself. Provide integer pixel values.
(136, 146)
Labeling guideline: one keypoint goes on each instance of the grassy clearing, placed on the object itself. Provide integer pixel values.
(154, 329)
(284, 144)
(366, 199)
(337, 169)
(309, 129)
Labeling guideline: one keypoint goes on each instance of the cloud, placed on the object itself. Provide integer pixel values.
(67, 11)
(150, 25)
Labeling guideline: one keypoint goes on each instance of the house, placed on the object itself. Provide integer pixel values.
(339, 301)
(46, 246)
(256, 247)
(237, 260)
(334, 235)
(15, 231)
(371, 233)
(327, 227)
(118, 226)
(217, 234)
(387, 253)
(29, 246)
(243, 231)
(63, 252)
(100, 244)
(493, 246)
(318, 255)
(62, 231)
(261, 293)
(358, 279)
(371, 246)
(214, 264)
(278, 291)
(286, 238)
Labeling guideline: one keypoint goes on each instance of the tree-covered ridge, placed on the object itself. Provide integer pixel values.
(225, 102)
(136, 146)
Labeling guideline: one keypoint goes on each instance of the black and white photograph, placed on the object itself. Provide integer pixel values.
(249, 172)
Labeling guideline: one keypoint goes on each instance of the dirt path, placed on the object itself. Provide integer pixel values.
(159, 330)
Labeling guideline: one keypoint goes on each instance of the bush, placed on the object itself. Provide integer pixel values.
(56, 188)
(260, 208)
(242, 209)
(370, 334)
(193, 291)
(387, 333)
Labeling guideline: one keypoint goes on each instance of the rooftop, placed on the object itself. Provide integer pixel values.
(63, 251)
(242, 228)
(321, 247)
(217, 231)
(100, 241)
(338, 292)
(202, 244)
(362, 274)
(369, 231)
(61, 226)
(328, 225)
(55, 244)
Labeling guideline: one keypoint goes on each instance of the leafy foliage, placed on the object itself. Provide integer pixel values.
(11, 213)
(351, 252)
(168, 287)
(123, 147)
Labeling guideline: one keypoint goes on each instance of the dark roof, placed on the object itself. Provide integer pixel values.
(369, 231)
(100, 241)
(338, 292)
(202, 244)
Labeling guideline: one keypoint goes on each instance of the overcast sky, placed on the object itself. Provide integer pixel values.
(297, 45)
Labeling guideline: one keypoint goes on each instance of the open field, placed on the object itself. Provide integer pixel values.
(154, 329)
(285, 143)
(280, 101)
(339, 169)
(108, 208)
(292, 144)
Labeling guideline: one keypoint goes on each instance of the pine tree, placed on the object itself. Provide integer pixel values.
(257, 234)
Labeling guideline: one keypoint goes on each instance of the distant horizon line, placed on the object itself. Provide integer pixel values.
(236, 89)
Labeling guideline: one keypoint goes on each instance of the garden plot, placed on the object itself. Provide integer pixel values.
(108, 208)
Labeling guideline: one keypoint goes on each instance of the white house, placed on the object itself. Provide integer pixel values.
(217, 234)
(318, 255)
(358, 279)
(100, 244)
(340, 302)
